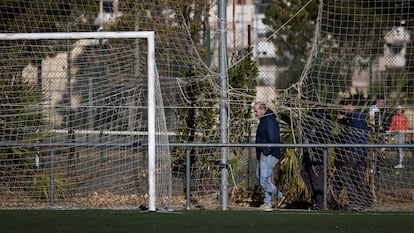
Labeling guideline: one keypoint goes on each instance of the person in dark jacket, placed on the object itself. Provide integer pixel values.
(267, 132)
(350, 164)
(316, 130)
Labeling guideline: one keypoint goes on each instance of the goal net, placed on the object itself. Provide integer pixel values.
(75, 113)
(362, 51)
(75, 122)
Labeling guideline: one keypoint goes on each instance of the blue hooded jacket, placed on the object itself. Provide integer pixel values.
(360, 133)
(268, 132)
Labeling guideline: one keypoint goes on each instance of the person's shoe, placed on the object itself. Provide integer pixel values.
(314, 207)
(398, 166)
(356, 208)
(266, 208)
(282, 199)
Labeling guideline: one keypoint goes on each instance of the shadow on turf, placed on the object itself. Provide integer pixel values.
(297, 205)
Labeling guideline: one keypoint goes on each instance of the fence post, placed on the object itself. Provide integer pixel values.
(52, 179)
(325, 178)
(188, 177)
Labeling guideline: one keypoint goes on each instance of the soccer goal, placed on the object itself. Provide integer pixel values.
(82, 120)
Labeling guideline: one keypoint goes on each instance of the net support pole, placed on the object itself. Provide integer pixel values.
(151, 122)
(222, 33)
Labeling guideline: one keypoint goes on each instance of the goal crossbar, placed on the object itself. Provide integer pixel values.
(76, 35)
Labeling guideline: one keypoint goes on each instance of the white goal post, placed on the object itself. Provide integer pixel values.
(149, 36)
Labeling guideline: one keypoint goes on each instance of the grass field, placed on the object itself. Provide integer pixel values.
(199, 221)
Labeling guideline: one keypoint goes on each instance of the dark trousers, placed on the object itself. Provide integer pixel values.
(313, 174)
(350, 173)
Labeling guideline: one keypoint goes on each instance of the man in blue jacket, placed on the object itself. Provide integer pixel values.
(267, 132)
(351, 165)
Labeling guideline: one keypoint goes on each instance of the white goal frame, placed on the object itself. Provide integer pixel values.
(149, 36)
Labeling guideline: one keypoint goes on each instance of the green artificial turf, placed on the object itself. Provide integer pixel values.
(197, 221)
